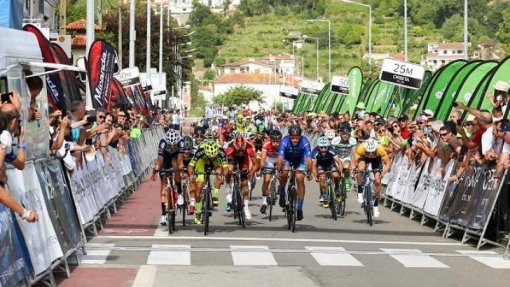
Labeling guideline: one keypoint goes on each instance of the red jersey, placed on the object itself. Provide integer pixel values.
(240, 157)
(270, 150)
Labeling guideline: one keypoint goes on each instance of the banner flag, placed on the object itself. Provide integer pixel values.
(53, 81)
(437, 187)
(119, 96)
(139, 97)
(452, 88)
(69, 78)
(355, 84)
(436, 89)
(471, 81)
(100, 66)
(13, 267)
(42, 242)
(501, 73)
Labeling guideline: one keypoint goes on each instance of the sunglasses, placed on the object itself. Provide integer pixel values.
(466, 125)
(395, 126)
(443, 135)
(323, 147)
(100, 117)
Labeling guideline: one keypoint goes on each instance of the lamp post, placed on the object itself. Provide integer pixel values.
(405, 30)
(369, 28)
(465, 29)
(329, 43)
(132, 33)
(148, 50)
(178, 58)
(317, 39)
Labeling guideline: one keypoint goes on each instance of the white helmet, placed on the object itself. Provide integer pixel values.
(370, 145)
(323, 142)
(330, 134)
(172, 137)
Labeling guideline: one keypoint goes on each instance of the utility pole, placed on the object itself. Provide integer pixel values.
(100, 14)
(119, 53)
(63, 20)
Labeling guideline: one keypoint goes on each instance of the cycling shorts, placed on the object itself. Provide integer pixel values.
(301, 166)
(327, 167)
(376, 162)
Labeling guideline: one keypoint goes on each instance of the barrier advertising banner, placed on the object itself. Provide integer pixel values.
(437, 186)
(42, 242)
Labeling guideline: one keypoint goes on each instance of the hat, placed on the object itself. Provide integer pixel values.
(323, 114)
(428, 113)
(312, 114)
(360, 105)
(436, 125)
(379, 121)
(501, 86)
(403, 117)
(470, 118)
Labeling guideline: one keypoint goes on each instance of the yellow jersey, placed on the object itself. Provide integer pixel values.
(380, 152)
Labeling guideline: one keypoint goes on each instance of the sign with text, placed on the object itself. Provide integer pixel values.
(400, 73)
(311, 87)
(289, 92)
(128, 77)
(340, 85)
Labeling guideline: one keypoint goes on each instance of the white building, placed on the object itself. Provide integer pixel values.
(440, 54)
(180, 9)
(281, 64)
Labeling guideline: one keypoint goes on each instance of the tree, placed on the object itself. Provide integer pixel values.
(239, 95)
(503, 33)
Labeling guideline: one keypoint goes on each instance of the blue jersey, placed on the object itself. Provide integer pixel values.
(326, 160)
(295, 154)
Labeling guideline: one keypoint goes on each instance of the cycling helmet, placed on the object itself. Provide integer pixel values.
(258, 122)
(239, 143)
(345, 128)
(294, 130)
(330, 134)
(199, 131)
(210, 134)
(172, 137)
(370, 145)
(211, 149)
(323, 141)
(275, 135)
(187, 143)
(261, 128)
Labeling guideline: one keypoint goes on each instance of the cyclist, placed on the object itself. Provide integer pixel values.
(371, 152)
(209, 153)
(186, 151)
(325, 158)
(345, 146)
(199, 134)
(268, 159)
(294, 151)
(168, 150)
(242, 154)
(241, 127)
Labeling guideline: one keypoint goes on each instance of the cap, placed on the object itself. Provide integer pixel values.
(323, 114)
(360, 105)
(428, 113)
(403, 117)
(470, 118)
(501, 86)
(436, 125)
(421, 119)
(379, 121)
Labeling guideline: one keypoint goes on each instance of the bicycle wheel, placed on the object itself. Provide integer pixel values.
(205, 209)
(292, 203)
(340, 205)
(184, 207)
(169, 210)
(332, 201)
(235, 204)
(240, 206)
(253, 181)
(368, 205)
(272, 197)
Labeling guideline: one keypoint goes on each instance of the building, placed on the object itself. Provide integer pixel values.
(440, 54)
(487, 51)
(180, 9)
(280, 64)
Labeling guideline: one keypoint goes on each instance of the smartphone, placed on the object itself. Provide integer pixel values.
(6, 97)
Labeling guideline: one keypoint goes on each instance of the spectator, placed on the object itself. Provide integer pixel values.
(499, 99)
(176, 120)
(403, 123)
(10, 127)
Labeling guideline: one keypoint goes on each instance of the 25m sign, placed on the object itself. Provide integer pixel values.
(400, 73)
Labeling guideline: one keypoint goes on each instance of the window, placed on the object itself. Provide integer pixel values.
(434, 61)
(443, 61)
(445, 52)
(460, 51)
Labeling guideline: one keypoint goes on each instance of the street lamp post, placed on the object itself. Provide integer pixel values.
(405, 30)
(132, 34)
(148, 50)
(369, 28)
(465, 29)
(329, 43)
(317, 39)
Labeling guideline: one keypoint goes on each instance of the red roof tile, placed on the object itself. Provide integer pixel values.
(79, 41)
(80, 25)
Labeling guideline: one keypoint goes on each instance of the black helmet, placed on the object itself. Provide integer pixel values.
(199, 131)
(345, 128)
(294, 130)
(187, 143)
(275, 135)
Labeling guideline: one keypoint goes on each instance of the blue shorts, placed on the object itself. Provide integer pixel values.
(301, 166)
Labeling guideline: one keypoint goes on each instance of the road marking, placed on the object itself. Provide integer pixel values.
(145, 276)
(97, 254)
(307, 240)
(333, 256)
(179, 255)
(489, 258)
(414, 258)
(252, 256)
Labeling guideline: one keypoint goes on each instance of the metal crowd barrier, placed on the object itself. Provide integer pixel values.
(69, 208)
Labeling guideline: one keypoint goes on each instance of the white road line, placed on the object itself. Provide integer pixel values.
(145, 276)
(97, 254)
(414, 258)
(488, 258)
(332, 256)
(252, 256)
(308, 240)
(174, 257)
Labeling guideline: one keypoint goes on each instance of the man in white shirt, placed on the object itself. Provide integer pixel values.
(176, 120)
(503, 161)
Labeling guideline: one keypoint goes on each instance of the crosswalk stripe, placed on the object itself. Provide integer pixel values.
(333, 256)
(175, 255)
(489, 258)
(97, 254)
(252, 255)
(414, 258)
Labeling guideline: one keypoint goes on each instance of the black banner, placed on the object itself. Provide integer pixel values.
(119, 96)
(100, 66)
(69, 78)
(53, 81)
(406, 81)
